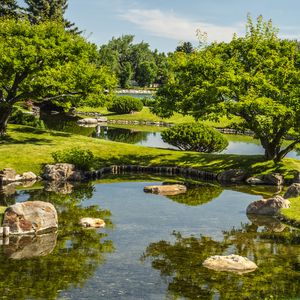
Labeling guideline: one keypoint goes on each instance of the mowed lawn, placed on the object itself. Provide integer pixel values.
(28, 149)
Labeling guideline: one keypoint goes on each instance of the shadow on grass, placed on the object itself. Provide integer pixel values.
(9, 140)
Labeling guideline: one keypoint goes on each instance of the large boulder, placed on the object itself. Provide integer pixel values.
(31, 217)
(273, 179)
(292, 191)
(269, 207)
(8, 175)
(172, 189)
(232, 176)
(62, 172)
(29, 246)
(92, 222)
(230, 263)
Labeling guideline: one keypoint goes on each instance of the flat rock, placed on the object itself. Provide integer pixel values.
(172, 189)
(29, 176)
(255, 181)
(92, 222)
(269, 207)
(230, 263)
(31, 217)
(92, 120)
(292, 191)
(29, 246)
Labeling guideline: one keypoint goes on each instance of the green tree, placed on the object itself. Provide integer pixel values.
(44, 10)
(255, 77)
(185, 47)
(8, 8)
(146, 73)
(44, 62)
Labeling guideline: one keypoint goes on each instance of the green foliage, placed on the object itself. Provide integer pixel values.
(131, 61)
(125, 104)
(195, 137)
(255, 78)
(185, 47)
(24, 118)
(8, 8)
(83, 159)
(44, 62)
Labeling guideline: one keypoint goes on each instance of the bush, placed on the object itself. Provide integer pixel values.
(22, 118)
(148, 101)
(195, 137)
(125, 105)
(82, 159)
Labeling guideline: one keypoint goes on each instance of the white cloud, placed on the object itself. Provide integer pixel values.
(170, 25)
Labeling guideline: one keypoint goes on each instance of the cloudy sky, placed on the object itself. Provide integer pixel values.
(164, 23)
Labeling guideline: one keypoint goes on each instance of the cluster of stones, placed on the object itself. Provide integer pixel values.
(9, 175)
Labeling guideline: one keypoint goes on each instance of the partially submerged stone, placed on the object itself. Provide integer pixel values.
(62, 172)
(255, 181)
(31, 217)
(92, 222)
(92, 120)
(230, 263)
(29, 246)
(172, 189)
(269, 207)
(273, 179)
(232, 176)
(29, 176)
(293, 191)
(9, 175)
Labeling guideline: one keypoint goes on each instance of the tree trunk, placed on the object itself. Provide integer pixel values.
(5, 112)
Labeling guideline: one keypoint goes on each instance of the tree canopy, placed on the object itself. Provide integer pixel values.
(255, 77)
(8, 8)
(44, 62)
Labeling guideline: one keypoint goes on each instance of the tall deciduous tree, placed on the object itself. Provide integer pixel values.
(44, 62)
(255, 77)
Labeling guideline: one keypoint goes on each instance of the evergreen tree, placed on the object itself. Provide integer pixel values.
(8, 8)
(54, 10)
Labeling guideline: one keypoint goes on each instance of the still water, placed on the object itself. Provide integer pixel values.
(146, 136)
(152, 247)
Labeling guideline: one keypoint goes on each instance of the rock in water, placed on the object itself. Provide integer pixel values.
(62, 172)
(31, 217)
(230, 263)
(172, 189)
(232, 176)
(269, 207)
(92, 222)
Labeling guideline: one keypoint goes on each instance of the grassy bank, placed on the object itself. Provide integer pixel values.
(27, 149)
(146, 115)
(293, 213)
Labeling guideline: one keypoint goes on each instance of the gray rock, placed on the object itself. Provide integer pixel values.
(232, 176)
(273, 179)
(293, 191)
(62, 172)
(28, 176)
(92, 222)
(255, 180)
(8, 175)
(92, 120)
(173, 189)
(29, 246)
(230, 263)
(269, 207)
(31, 217)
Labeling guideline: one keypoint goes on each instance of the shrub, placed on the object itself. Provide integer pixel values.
(195, 137)
(148, 101)
(125, 105)
(82, 159)
(23, 118)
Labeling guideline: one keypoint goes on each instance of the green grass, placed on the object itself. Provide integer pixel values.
(27, 149)
(146, 115)
(292, 213)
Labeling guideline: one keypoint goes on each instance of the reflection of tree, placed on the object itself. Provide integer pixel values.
(276, 254)
(198, 196)
(123, 135)
(76, 256)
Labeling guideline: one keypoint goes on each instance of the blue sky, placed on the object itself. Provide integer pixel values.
(164, 23)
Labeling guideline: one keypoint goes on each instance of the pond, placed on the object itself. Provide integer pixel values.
(152, 247)
(149, 136)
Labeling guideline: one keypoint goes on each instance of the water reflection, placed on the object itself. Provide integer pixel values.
(276, 254)
(40, 267)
